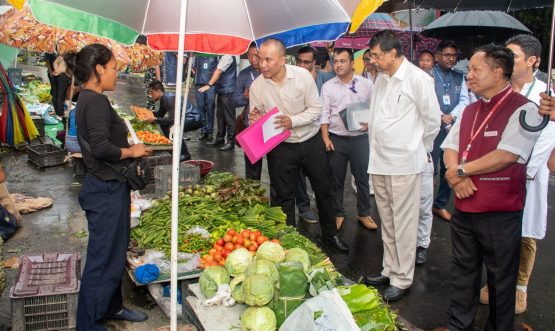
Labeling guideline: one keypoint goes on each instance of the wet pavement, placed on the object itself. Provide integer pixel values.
(425, 305)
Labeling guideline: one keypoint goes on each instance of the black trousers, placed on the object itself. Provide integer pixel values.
(354, 151)
(107, 207)
(494, 239)
(443, 191)
(225, 115)
(58, 90)
(284, 163)
(253, 171)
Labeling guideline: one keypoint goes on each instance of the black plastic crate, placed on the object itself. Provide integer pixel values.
(45, 155)
(39, 124)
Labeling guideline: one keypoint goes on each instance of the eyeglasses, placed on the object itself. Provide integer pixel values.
(305, 62)
(447, 55)
(377, 56)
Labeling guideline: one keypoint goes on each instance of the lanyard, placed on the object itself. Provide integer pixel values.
(445, 84)
(473, 134)
(530, 88)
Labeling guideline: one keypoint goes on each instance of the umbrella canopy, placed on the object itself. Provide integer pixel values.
(456, 5)
(212, 26)
(495, 25)
(22, 30)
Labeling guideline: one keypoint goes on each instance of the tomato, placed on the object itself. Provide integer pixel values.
(246, 243)
(252, 237)
(276, 241)
(234, 239)
(218, 248)
(212, 251)
(260, 240)
(253, 247)
(231, 232)
(229, 246)
(257, 233)
(225, 253)
(237, 246)
(240, 240)
(209, 259)
(220, 242)
(218, 256)
(245, 234)
(221, 263)
(227, 238)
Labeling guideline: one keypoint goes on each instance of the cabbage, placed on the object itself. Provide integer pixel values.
(211, 278)
(263, 267)
(299, 255)
(270, 251)
(258, 319)
(237, 261)
(258, 290)
(236, 286)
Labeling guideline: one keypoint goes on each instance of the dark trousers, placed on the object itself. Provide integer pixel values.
(225, 115)
(494, 239)
(253, 171)
(58, 90)
(444, 191)
(284, 163)
(184, 150)
(205, 104)
(353, 151)
(302, 200)
(107, 207)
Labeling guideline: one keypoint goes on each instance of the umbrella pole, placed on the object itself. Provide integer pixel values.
(175, 168)
(545, 121)
(410, 32)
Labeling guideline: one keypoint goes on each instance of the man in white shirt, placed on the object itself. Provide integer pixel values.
(293, 91)
(344, 146)
(403, 122)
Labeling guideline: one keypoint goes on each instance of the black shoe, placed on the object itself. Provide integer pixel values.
(186, 138)
(128, 315)
(421, 256)
(337, 243)
(393, 293)
(309, 216)
(227, 147)
(377, 279)
(203, 136)
(215, 143)
(209, 136)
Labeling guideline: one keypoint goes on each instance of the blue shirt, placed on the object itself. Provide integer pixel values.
(321, 78)
(244, 81)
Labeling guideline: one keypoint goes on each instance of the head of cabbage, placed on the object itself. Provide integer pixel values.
(299, 255)
(258, 319)
(263, 267)
(258, 290)
(236, 286)
(270, 251)
(237, 261)
(211, 278)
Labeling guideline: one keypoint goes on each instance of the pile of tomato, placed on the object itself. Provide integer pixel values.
(232, 240)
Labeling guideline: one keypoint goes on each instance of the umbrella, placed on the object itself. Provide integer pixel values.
(496, 25)
(22, 30)
(212, 26)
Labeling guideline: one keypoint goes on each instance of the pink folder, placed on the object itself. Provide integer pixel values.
(252, 140)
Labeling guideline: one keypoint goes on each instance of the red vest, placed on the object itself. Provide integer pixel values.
(504, 190)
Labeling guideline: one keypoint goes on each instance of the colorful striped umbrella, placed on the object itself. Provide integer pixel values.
(213, 26)
(21, 30)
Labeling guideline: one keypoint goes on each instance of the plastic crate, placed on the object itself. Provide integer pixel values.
(153, 161)
(45, 155)
(188, 175)
(39, 124)
(45, 294)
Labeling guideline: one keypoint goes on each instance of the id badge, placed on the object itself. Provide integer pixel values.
(446, 100)
(205, 66)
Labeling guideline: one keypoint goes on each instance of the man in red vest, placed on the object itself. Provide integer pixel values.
(485, 155)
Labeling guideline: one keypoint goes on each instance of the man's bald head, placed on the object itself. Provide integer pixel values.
(277, 44)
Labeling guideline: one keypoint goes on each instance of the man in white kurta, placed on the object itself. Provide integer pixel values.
(527, 50)
(403, 122)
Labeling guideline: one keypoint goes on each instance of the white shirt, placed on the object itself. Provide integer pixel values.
(337, 95)
(225, 62)
(296, 97)
(403, 122)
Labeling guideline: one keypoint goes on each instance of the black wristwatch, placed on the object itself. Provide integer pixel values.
(460, 171)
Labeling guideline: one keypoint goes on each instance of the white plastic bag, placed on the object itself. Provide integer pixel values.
(325, 312)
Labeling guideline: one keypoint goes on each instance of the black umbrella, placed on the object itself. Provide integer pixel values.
(504, 5)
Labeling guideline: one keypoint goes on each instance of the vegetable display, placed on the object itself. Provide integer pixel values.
(149, 137)
(141, 113)
(211, 278)
(258, 319)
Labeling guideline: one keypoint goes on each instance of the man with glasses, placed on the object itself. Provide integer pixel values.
(346, 147)
(403, 122)
(370, 71)
(452, 95)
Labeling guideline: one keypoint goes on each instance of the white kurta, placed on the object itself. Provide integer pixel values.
(534, 220)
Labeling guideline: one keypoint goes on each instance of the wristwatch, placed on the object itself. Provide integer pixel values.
(460, 171)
